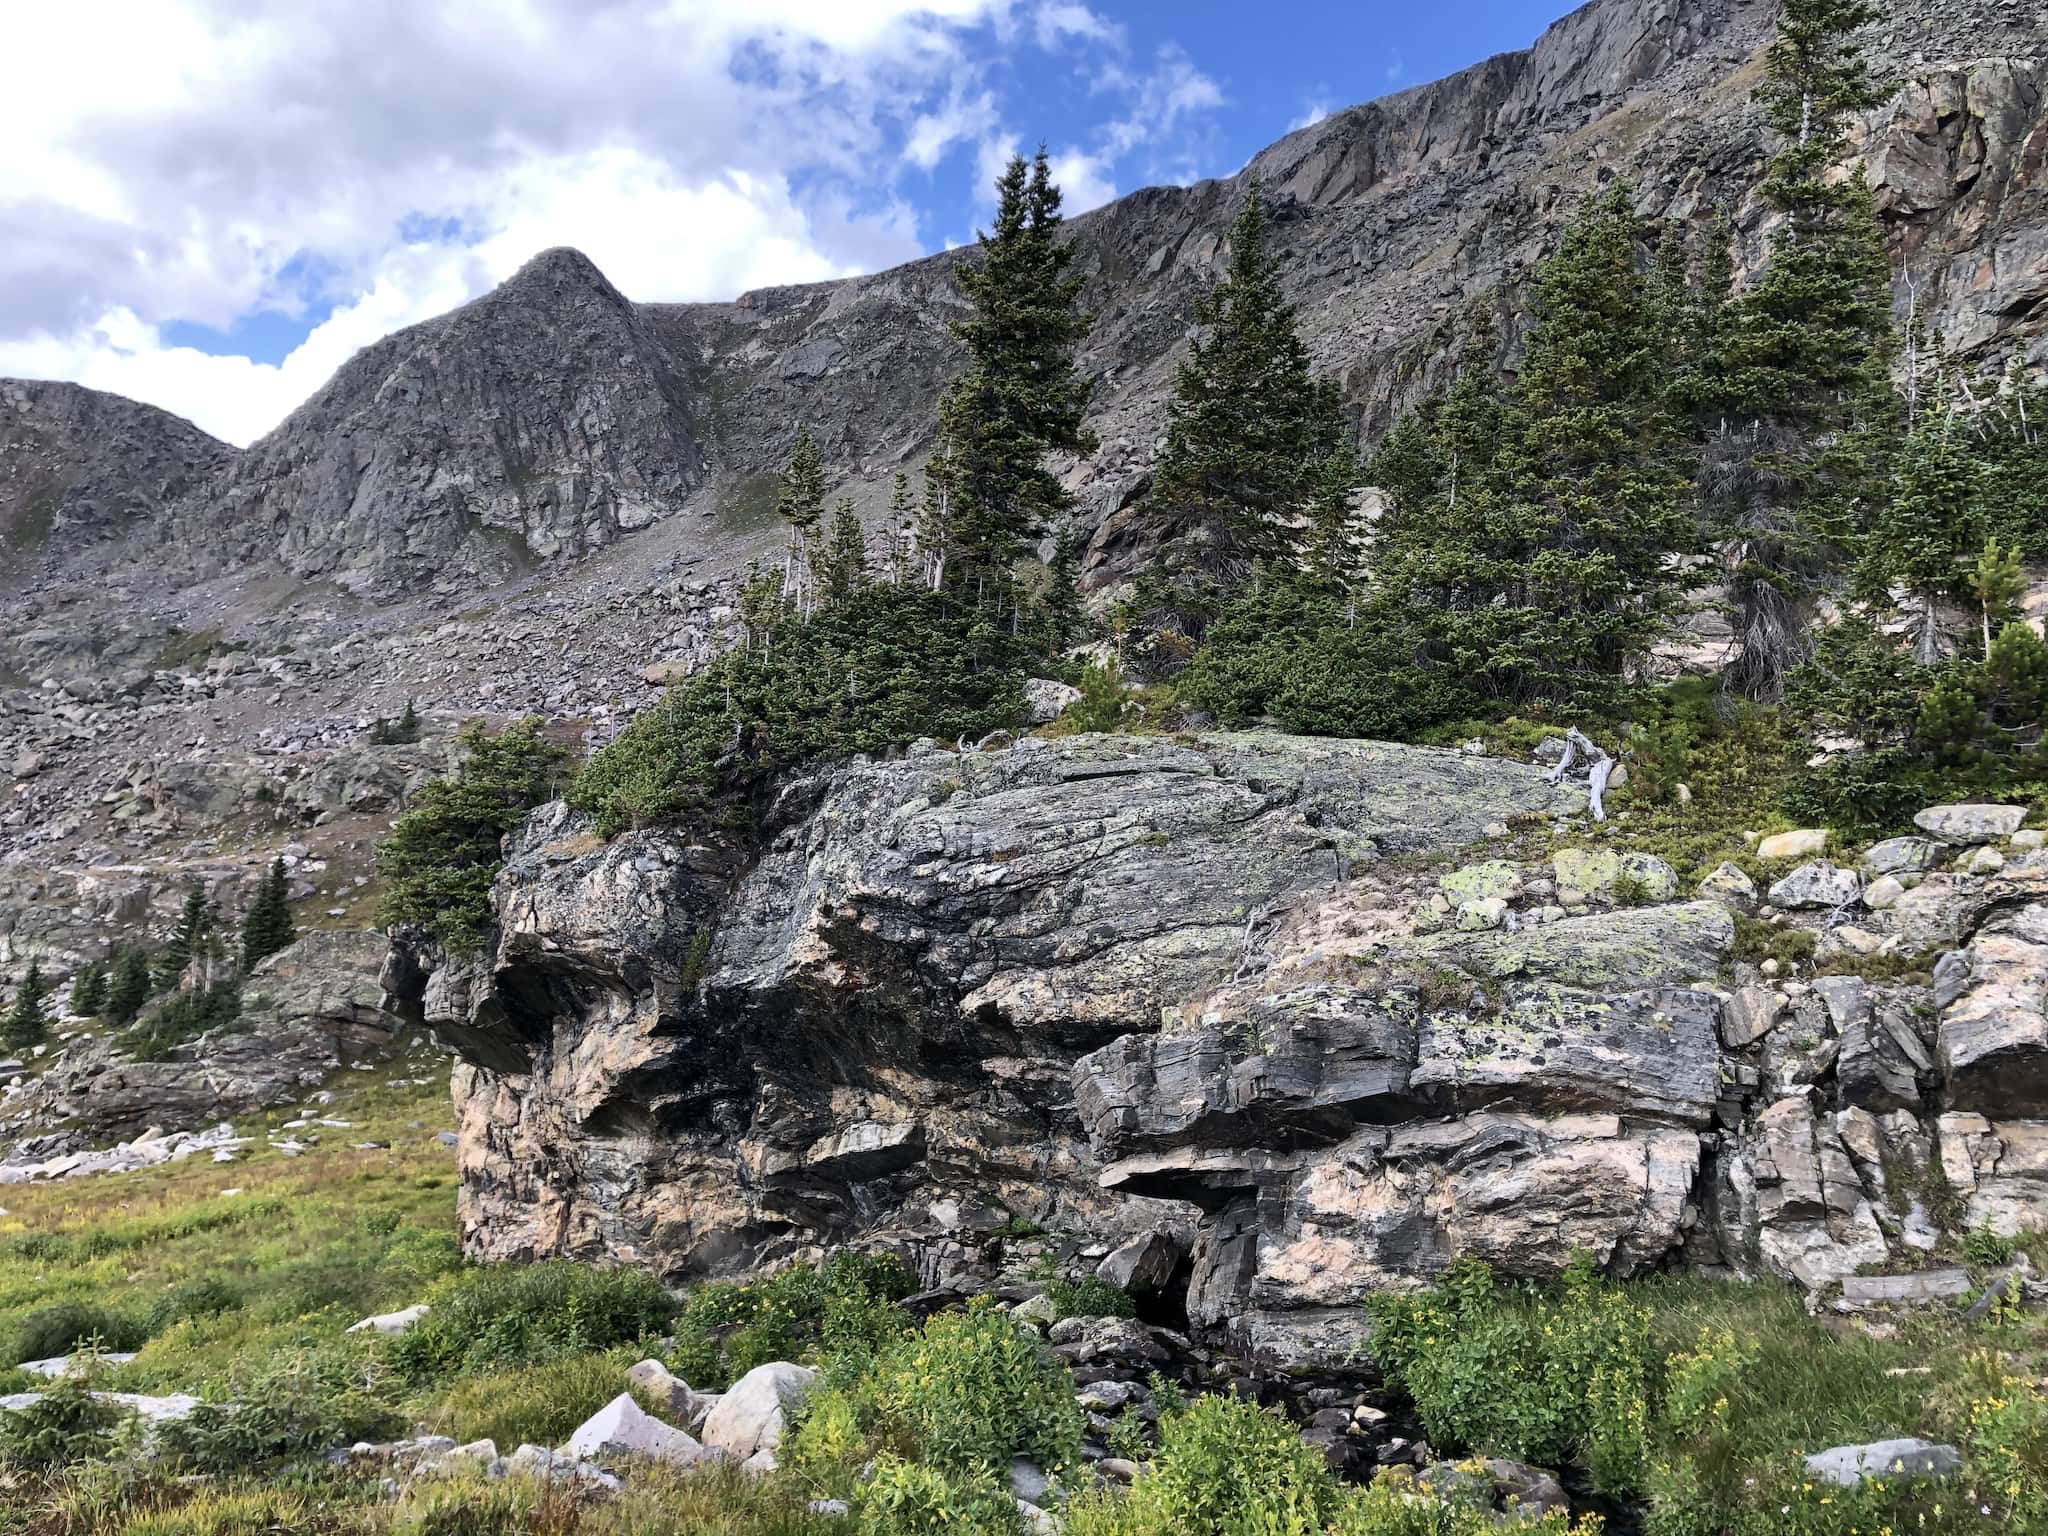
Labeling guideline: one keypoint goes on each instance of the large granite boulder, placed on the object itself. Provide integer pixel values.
(888, 1014)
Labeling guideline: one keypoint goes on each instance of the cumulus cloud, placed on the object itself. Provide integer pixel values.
(363, 164)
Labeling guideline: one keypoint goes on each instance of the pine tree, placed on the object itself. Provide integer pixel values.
(128, 987)
(1532, 530)
(1791, 468)
(1021, 396)
(1248, 427)
(845, 563)
(89, 990)
(187, 941)
(28, 1020)
(800, 502)
(902, 529)
(1926, 529)
(267, 926)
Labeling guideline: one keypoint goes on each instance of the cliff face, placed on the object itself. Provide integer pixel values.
(1233, 991)
(553, 416)
(80, 470)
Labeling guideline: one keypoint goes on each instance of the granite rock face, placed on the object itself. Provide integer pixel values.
(1138, 988)
(80, 470)
(889, 1012)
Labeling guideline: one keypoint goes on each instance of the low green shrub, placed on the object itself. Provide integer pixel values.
(907, 1498)
(879, 668)
(1091, 1296)
(444, 852)
(841, 1311)
(513, 1314)
(1225, 1467)
(965, 1393)
(207, 1296)
(293, 1403)
(66, 1325)
(1523, 1374)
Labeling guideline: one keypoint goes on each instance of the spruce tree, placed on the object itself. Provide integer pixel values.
(267, 926)
(1021, 396)
(89, 990)
(187, 941)
(845, 563)
(1248, 426)
(1927, 528)
(902, 529)
(800, 502)
(128, 987)
(1532, 531)
(1791, 471)
(28, 1020)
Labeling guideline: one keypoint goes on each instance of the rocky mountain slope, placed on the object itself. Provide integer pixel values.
(542, 500)
(552, 416)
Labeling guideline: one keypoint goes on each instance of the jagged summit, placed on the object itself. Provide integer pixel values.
(552, 415)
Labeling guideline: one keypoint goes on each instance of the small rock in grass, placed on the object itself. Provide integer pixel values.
(1906, 1459)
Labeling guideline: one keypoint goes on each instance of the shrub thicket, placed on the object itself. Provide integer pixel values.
(515, 1314)
(877, 670)
(443, 853)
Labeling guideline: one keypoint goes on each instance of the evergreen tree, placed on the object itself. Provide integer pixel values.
(935, 526)
(1021, 396)
(800, 502)
(845, 564)
(1996, 583)
(1926, 529)
(267, 926)
(28, 1020)
(443, 853)
(1533, 532)
(2012, 455)
(1060, 607)
(1804, 393)
(187, 941)
(1334, 557)
(1248, 427)
(89, 991)
(128, 987)
(902, 529)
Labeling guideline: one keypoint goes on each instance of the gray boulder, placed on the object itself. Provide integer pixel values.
(1966, 826)
(1142, 1265)
(623, 1428)
(751, 1417)
(1906, 1459)
(1818, 884)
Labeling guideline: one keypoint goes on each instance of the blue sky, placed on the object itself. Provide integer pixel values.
(209, 204)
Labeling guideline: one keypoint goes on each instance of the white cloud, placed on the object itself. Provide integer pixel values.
(1084, 181)
(375, 162)
(1312, 112)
